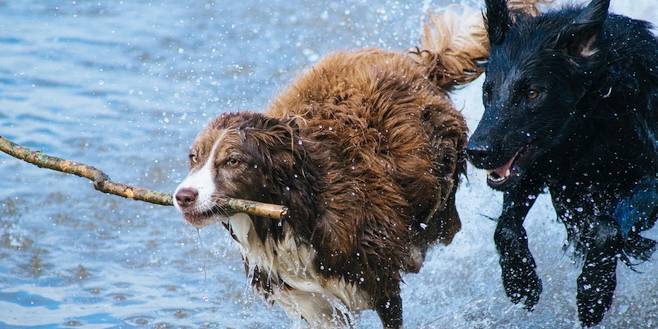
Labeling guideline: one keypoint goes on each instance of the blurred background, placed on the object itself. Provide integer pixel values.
(126, 85)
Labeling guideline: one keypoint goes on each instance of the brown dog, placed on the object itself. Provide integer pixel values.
(365, 149)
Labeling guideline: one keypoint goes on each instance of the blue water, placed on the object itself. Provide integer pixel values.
(126, 85)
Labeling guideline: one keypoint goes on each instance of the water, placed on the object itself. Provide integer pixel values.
(125, 86)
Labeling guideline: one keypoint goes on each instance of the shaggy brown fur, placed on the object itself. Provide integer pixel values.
(366, 153)
(366, 150)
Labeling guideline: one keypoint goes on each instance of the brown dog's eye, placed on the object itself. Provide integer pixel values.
(232, 162)
(193, 158)
(533, 94)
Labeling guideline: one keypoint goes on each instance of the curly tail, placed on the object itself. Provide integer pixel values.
(455, 42)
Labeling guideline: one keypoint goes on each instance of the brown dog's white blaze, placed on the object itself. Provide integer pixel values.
(194, 195)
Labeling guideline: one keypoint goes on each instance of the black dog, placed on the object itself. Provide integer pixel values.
(571, 104)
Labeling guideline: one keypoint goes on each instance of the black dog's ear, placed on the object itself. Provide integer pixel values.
(498, 20)
(579, 38)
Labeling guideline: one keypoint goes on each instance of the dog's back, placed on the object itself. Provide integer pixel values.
(629, 85)
(632, 54)
(389, 142)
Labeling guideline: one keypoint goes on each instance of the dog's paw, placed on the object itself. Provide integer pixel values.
(522, 285)
(595, 292)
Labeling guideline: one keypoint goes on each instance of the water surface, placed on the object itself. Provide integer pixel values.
(126, 85)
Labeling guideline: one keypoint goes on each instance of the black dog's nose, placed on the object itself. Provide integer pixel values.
(478, 153)
(186, 197)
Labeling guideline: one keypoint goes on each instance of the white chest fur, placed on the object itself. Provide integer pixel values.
(320, 301)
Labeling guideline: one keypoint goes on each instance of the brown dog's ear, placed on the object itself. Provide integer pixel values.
(271, 132)
(579, 39)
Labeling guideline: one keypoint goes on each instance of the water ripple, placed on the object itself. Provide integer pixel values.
(127, 85)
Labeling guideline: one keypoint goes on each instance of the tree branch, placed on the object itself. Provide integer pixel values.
(103, 183)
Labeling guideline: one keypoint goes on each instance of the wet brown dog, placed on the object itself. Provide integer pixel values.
(366, 150)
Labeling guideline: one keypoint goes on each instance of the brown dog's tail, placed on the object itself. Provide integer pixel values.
(528, 7)
(455, 42)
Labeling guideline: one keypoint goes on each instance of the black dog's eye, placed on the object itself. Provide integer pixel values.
(532, 94)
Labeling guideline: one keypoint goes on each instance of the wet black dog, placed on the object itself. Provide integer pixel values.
(571, 104)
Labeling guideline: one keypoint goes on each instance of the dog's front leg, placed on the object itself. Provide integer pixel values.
(389, 309)
(516, 262)
(597, 282)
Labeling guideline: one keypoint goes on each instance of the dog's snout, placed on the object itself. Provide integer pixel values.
(479, 153)
(186, 197)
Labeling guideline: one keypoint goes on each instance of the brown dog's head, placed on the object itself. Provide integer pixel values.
(239, 155)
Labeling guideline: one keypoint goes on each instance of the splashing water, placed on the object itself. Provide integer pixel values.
(126, 86)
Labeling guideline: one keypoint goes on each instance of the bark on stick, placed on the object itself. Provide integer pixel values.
(103, 183)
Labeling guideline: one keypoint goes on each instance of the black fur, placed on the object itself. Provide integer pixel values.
(571, 101)
(498, 21)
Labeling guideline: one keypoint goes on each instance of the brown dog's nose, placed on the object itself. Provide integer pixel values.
(186, 197)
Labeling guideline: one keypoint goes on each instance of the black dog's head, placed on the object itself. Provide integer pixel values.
(539, 69)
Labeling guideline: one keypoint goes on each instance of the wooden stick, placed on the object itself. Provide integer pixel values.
(103, 183)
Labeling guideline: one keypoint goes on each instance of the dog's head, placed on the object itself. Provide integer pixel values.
(238, 155)
(538, 70)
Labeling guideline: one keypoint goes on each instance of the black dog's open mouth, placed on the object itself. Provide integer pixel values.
(499, 176)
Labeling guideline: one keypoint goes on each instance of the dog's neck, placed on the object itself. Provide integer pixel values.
(606, 129)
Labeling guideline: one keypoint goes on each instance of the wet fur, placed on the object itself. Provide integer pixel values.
(590, 137)
(366, 151)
